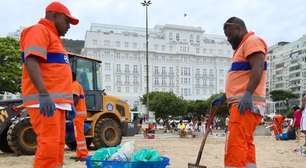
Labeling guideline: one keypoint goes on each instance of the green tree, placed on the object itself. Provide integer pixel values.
(279, 95)
(289, 112)
(74, 46)
(143, 99)
(197, 107)
(165, 104)
(283, 95)
(10, 66)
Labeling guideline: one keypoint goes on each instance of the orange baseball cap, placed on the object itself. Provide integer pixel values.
(60, 8)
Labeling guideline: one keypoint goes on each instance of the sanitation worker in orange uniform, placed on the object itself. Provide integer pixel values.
(78, 122)
(47, 83)
(278, 121)
(245, 92)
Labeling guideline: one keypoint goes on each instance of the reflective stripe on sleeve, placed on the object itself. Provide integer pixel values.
(75, 93)
(40, 50)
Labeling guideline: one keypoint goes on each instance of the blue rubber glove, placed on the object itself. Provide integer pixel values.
(246, 103)
(46, 105)
(218, 101)
(71, 114)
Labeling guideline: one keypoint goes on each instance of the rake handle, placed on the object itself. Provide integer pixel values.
(213, 112)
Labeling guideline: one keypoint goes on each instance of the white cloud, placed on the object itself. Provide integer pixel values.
(274, 20)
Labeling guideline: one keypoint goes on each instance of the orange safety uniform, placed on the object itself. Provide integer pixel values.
(277, 126)
(42, 41)
(239, 148)
(79, 119)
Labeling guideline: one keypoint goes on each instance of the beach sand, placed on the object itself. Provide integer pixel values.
(270, 153)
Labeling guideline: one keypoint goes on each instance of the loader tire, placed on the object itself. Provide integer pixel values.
(21, 137)
(4, 147)
(107, 133)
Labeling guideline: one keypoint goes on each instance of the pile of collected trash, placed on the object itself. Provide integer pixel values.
(125, 156)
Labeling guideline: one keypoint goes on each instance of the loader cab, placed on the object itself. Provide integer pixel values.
(88, 73)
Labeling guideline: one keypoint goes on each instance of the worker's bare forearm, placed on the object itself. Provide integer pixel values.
(33, 69)
(254, 81)
(75, 99)
(257, 67)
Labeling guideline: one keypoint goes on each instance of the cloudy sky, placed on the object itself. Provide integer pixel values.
(274, 20)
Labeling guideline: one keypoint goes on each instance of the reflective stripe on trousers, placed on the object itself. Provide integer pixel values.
(81, 142)
(82, 148)
(81, 145)
(81, 113)
(249, 165)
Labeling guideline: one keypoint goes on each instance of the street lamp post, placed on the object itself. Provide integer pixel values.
(146, 4)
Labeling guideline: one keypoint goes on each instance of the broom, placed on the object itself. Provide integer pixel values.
(213, 112)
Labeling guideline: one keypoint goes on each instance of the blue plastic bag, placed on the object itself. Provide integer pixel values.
(283, 136)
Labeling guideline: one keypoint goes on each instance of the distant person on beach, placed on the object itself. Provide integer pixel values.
(278, 121)
(303, 119)
(296, 124)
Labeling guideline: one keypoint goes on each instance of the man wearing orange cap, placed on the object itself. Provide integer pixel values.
(47, 83)
(245, 93)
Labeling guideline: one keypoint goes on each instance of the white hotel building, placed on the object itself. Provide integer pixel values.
(182, 59)
(287, 68)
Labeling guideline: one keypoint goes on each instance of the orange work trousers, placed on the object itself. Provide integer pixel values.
(239, 147)
(277, 128)
(50, 138)
(78, 122)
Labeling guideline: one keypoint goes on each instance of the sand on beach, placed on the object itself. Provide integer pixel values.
(270, 153)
